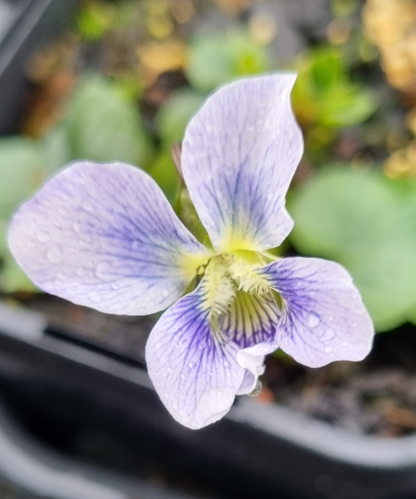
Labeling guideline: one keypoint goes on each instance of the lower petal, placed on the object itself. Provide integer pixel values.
(194, 370)
(325, 318)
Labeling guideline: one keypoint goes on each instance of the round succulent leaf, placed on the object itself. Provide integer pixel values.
(103, 125)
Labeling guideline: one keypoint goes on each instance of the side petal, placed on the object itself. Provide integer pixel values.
(252, 324)
(325, 318)
(238, 157)
(194, 371)
(104, 236)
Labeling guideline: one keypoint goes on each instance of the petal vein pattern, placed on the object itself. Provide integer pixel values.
(195, 372)
(105, 236)
(239, 155)
(198, 363)
(324, 318)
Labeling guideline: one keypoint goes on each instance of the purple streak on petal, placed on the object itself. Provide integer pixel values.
(103, 236)
(252, 324)
(194, 371)
(238, 157)
(326, 319)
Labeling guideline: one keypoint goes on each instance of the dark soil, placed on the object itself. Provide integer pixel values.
(375, 397)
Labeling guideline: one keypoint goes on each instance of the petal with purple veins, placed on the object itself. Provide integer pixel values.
(104, 236)
(239, 155)
(324, 317)
(194, 371)
(198, 363)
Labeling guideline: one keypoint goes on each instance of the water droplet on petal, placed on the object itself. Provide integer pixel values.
(328, 349)
(43, 236)
(169, 370)
(191, 365)
(313, 320)
(257, 389)
(54, 255)
(61, 274)
(94, 296)
(165, 292)
(81, 271)
(226, 363)
(77, 227)
(115, 286)
(62, 210)
(87, 206)
(328, 334)
(102, 270)
(166, 395)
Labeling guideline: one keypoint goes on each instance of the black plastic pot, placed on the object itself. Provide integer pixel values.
(24, 25)
(256, 451)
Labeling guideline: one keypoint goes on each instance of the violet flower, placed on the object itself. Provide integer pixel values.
(104, 236)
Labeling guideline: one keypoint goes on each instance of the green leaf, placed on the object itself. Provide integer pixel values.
(367, 223)
(173, 117)
(216, 58)
(346, 106)
(104, 126)
(325, 95)
(23, 167)
(164, 172)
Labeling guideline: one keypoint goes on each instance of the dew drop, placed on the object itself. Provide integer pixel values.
(43, 236)
(226, 363)
(54, 255)
(115, 286)
(165, 292)
(166, 395)
(62, 210)
(102, 270)
(328, 349)
(191, 365)
(313, 320)
(257, 389)
(328, 334)
(81, 271)
(183, 376)
(77, 227)
(87, 206)
(169, 370)
(94, 296)
(61, 274)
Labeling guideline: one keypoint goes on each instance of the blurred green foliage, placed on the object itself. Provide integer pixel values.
(367, 223)
(217, 58)
(324, 93)
(174, 115)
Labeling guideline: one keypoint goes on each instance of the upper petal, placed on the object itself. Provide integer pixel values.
(326, 319)
(239, 155)
(104, 236)
(194, 371)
